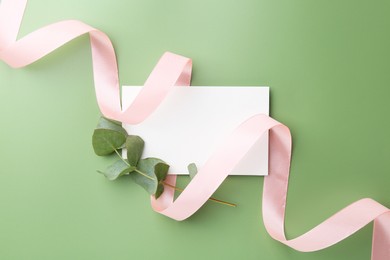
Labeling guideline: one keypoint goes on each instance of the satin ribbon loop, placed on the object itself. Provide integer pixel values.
(171, 70)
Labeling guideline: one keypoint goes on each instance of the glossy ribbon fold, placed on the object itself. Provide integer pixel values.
(174, 70)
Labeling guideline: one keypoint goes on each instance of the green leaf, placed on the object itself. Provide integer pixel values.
(116, 170)
(108, 136)
(159, 191)
(192, 170)
(147, 167)
(105, 123)
(161, 171)
(135, 147)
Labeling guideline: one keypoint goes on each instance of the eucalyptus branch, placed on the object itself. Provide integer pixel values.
(110, 137)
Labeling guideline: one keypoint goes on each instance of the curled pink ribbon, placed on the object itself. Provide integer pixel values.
(174, 70)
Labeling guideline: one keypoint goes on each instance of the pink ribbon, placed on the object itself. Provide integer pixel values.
(174, 70)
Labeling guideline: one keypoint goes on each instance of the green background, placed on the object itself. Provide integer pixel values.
(327, 65)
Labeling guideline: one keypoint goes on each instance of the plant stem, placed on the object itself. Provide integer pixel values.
(212, 199)
(136, 170)
(120, 156)
(144, 174)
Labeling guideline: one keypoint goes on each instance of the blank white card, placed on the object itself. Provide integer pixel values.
(191, 122)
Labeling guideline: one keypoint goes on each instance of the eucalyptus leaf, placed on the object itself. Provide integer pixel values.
(159, 191)
(135, 147)
(147, 167)
(161, 171)
(116, 170)
(192, 170)
(108, 136)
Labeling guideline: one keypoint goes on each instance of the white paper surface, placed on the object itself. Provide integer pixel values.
(191, 122)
